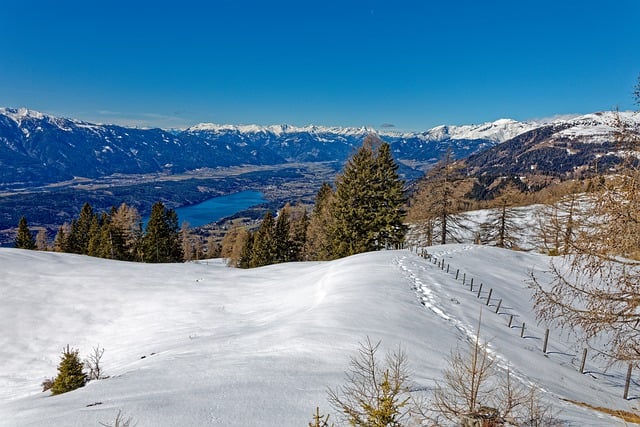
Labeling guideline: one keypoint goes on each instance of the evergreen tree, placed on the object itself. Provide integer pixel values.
(60, 242)
(24, 238)
(299, 222)
(70, 375)
(263, 249)
(93, 246)
(77, 240)
(281, 236)
(244, 247)
(389, 189)
(368, 207)
(161, 242)
(352, 230)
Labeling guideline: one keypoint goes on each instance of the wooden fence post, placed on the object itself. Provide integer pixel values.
(479, 290)
(464, 278)
(546, 340)
(628, 381)
(499, 304)
(522, 331)
(457, 272)
(510, 320)
(489, 296)
(447, 268)
(472, 283)
(584, 360)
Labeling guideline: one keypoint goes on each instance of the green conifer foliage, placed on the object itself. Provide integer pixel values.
(389, 190)
(368, 206)
(263, 250)
(281, 236)
(70, 375)
(24, 238)
(78, 239)
(161, 242)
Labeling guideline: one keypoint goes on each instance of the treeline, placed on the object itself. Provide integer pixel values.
(116, 234)
(364, 213)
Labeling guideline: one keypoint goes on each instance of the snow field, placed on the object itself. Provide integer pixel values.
(202, 344)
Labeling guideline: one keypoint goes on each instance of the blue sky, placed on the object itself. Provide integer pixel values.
(413, 64)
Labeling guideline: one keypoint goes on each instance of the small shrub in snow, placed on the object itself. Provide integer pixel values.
(47, 384)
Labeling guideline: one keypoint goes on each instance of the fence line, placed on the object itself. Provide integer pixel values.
(440, 263)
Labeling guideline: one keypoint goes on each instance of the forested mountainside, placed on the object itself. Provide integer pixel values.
(38, 149)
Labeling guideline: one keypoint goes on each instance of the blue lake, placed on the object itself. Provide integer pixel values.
(217, 208)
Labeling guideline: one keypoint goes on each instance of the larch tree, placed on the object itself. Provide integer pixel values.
(595, 290)
(435, 206)
(42, 242)
(24, 238)
(317, 246)
(502, 224)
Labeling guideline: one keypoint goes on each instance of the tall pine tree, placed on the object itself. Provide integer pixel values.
(161, 242)
(368, 207)
(24, 238)
(263, 250)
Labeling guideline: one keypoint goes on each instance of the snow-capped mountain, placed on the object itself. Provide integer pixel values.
(559, 148)
(37, 148)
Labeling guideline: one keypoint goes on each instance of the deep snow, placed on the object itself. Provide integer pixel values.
(202, 344)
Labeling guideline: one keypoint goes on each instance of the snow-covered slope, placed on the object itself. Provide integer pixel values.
(202, 344)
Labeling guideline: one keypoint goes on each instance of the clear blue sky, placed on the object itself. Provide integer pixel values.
(413, 64)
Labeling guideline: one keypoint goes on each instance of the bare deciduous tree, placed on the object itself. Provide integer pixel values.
(436, 205)
(502, 226)
(475, 392)
(595, 291)
(92, 364)
(121, 421)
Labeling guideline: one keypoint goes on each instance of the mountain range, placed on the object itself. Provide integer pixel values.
(39, 149)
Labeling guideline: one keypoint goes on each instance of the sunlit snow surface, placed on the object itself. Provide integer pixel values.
(202, 344)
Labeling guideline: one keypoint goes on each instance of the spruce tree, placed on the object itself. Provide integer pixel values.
(354, 220)
(60, 242)
(161, 242)
(368, 207)
(389, 190)
(70, 374)
(77, 241)
(281, 236)
(24, 238)
(263, 250)
(299, 222)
